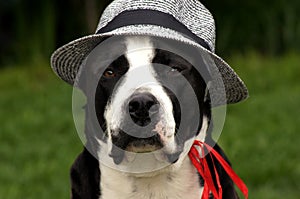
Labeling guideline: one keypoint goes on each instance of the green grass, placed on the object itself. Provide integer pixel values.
(261, 135)
(38, 141)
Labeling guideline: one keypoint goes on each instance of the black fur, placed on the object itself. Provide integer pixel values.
(85, 177)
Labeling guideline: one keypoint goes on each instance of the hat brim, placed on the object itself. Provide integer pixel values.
(66, 60)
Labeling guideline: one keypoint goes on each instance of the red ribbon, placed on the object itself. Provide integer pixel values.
(201, 165)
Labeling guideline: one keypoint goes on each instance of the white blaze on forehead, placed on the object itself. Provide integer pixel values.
(140, 51)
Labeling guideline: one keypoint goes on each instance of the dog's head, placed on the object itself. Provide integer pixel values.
(136, 110)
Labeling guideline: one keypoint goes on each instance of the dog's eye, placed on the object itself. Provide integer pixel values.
(109, 73)
(175, 69)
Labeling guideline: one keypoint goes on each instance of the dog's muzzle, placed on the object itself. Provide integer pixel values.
(142, 128)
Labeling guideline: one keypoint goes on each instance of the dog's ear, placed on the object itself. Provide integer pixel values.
(87, 82)
(81, 82)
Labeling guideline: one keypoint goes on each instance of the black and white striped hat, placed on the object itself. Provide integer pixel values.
(185, 21)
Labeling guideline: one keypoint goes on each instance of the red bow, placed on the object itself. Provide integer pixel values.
(201, 165)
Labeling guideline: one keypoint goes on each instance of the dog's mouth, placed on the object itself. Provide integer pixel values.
(141, 145)
(126, 143)
(144, 145)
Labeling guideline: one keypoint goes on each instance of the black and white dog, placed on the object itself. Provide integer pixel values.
(150, 104)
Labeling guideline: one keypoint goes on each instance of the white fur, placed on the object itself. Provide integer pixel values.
(171, 184)
(201, 136)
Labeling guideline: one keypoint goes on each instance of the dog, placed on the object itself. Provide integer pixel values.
(119, 99)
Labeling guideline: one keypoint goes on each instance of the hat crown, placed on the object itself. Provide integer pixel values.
(190, 13)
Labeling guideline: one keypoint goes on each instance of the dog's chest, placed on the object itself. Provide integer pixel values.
(168, 185)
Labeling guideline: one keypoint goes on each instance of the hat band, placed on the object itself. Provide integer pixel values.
(151, 17)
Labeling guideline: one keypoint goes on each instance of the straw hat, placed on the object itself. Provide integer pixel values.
(185, 21)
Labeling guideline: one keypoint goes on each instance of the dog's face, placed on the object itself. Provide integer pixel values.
(138, 113)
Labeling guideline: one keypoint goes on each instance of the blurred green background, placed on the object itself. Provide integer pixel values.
(38, 141)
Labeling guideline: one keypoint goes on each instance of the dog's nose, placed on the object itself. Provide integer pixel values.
(143, 107)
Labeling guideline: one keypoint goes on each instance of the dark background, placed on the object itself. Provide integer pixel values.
(32, 29)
